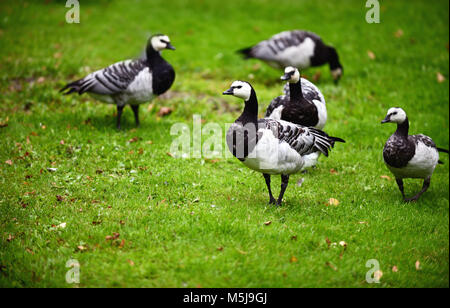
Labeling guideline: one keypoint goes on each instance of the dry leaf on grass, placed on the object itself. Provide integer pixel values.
(395, 269)
(386, 177)
(440, 78)
(9, 162)
(293, 259)
(417, 265)
(267, 223)
(371, 55)
(164, 111)
(399, 33)
(130, 262)
(333, 202)
(377, 275)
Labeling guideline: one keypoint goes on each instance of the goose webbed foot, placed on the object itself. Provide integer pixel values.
(426, 185)
(284, 184)
(119, 115)
(267, 178)
(136, 114)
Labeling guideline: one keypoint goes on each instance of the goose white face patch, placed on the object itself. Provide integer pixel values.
(295, 77)
(160, 42)
(397, 115)
(241, 89)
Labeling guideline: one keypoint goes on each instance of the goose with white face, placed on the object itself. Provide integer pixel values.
(395, 115)
(291, 74)
(160, 42)
(239, 89)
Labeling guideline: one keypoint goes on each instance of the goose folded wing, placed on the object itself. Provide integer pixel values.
(111, 80)
(304, 140)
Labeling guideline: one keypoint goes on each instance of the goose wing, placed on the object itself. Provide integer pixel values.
(111, 80)
(304, 140)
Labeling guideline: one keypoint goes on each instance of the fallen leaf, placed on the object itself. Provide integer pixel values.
(9, 162)
(164, 111)
(59, 198)
(333, 171)
(377, 275)
(328, 242)
(81, 247)
(371, 55)
(343, 244)
(334, 268)
(418, 265)
(241, 252)
(52, 169)
(333, 201)
(61, 226)
(316, 76)
(294, 237)
(440, 78)
(293, 259)
(134, 139)
(220, 248)
(386, 177)
(395, 269)
(399, 33)
(29, 251)
(169, 154)
(130, 262)
(267, 223)
(122, 243)
(10, 238)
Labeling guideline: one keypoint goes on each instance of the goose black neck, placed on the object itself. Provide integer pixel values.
(153, 56)
(403, 128)
(295, 90)
(250, 113)
(333, 58)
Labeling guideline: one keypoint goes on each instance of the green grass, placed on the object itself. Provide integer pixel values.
(162, 206)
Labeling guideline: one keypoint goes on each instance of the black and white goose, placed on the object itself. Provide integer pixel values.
(297, 48)
(271, 146)
(302, 104)
(408, 156)
(130, 82)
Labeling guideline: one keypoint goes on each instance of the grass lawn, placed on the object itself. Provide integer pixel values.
(204, 222)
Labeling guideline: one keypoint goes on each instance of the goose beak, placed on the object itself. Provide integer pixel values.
(285, 77)
(170, 46)
(228, 92)
(386, 120)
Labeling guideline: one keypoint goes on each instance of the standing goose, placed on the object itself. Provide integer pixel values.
(303, 104)
(409, 156)
(130, 82)
(271, 146)
(297, 48)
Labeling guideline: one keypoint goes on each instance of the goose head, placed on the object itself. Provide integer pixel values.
(291, 74)
(159, 42)
(395, 115)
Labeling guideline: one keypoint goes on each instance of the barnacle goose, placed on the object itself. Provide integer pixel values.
(302, 104)
(130, 82)
(271, 146)
(409, 156)
(297, 48)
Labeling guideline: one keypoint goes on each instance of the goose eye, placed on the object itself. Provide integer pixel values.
(395, 113)
(238, 87)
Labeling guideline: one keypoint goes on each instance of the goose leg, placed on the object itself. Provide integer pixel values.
(267, 178)
(119, 114)
(400, 186)
(426, 184)
(284, 184)
(136, 114)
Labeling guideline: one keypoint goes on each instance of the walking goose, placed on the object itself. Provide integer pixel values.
(303, 104)
(130, 82)
(408, 156)
(271, 146)
(302, 49)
